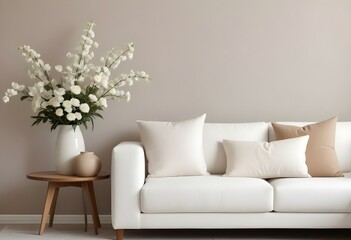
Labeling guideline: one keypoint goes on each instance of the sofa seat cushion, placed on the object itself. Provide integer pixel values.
(312, 194)
(206, 194)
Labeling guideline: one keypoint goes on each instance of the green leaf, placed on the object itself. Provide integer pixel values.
(92, 123)
(24, 97)
(47, 87)
(98, 115)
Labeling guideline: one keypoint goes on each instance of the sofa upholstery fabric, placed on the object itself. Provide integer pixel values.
(205, 194)
(297, 195)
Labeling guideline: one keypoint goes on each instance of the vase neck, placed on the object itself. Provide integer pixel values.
(66, 127)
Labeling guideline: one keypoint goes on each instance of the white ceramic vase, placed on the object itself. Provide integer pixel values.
(69, 144)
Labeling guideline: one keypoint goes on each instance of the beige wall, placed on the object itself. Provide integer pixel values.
(244, 60)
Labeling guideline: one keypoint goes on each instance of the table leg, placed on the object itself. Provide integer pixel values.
(89, 188)
(93, 200)
(53, 206)
(49, 197)
(85, 211)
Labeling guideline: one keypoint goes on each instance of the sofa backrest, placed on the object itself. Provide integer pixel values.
(342, 141)
(214, 133)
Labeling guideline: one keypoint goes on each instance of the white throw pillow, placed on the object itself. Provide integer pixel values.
(284, 158)
(174, 148)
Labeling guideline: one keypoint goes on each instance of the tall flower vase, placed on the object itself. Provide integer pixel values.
(69, 144)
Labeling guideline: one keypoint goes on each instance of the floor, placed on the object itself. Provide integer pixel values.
(65, 232)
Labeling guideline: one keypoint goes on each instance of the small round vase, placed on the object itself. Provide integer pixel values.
(69, 144)
(87, 164)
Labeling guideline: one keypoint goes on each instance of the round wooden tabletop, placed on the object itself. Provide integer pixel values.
(52, 176)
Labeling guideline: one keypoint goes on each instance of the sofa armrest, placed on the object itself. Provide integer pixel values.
(127, 179)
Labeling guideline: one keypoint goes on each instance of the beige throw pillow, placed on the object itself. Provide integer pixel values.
(321, 157)
(284, 158)
(174, 148)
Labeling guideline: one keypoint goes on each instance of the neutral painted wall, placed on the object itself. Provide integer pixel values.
(236, 60)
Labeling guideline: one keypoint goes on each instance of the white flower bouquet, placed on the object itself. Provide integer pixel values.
(82, 89)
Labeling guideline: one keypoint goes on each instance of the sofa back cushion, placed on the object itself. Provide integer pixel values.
(214, 133)
(342, 141)
(174, 148)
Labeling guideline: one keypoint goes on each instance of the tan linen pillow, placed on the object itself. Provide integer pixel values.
(321, 157)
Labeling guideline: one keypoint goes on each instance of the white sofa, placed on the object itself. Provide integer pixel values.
(214, 201)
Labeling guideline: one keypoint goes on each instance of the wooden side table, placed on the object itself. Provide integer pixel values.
(55, 182)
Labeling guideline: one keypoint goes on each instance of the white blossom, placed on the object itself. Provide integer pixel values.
(97, 78)
(6, 99)
(84, 108)
(78, 115)
(47, 67)
(58, 68)
(129, 81)
(60, 92)
(85, 51)
(69, 68)
(92, 98)
(66, 103)
(91, 33)
(104, 83)
(75, 102)
(11, 92)
(47, 94)
(55, 102)
(59, 112)
(89, 41)
(71, 117)
(40, 86)
(127, 96)
(69, 55)
(17, 87)
(131, 47)
(68, 109)
(103, 102)
(120, 93)
(54, 82)
(32, 91)
(113, 91)
(44, 104)
(31, 75)
(76, 89)
(36, 104)
(60, 99)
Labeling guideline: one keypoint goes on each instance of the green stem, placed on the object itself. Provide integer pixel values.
(124, 52)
